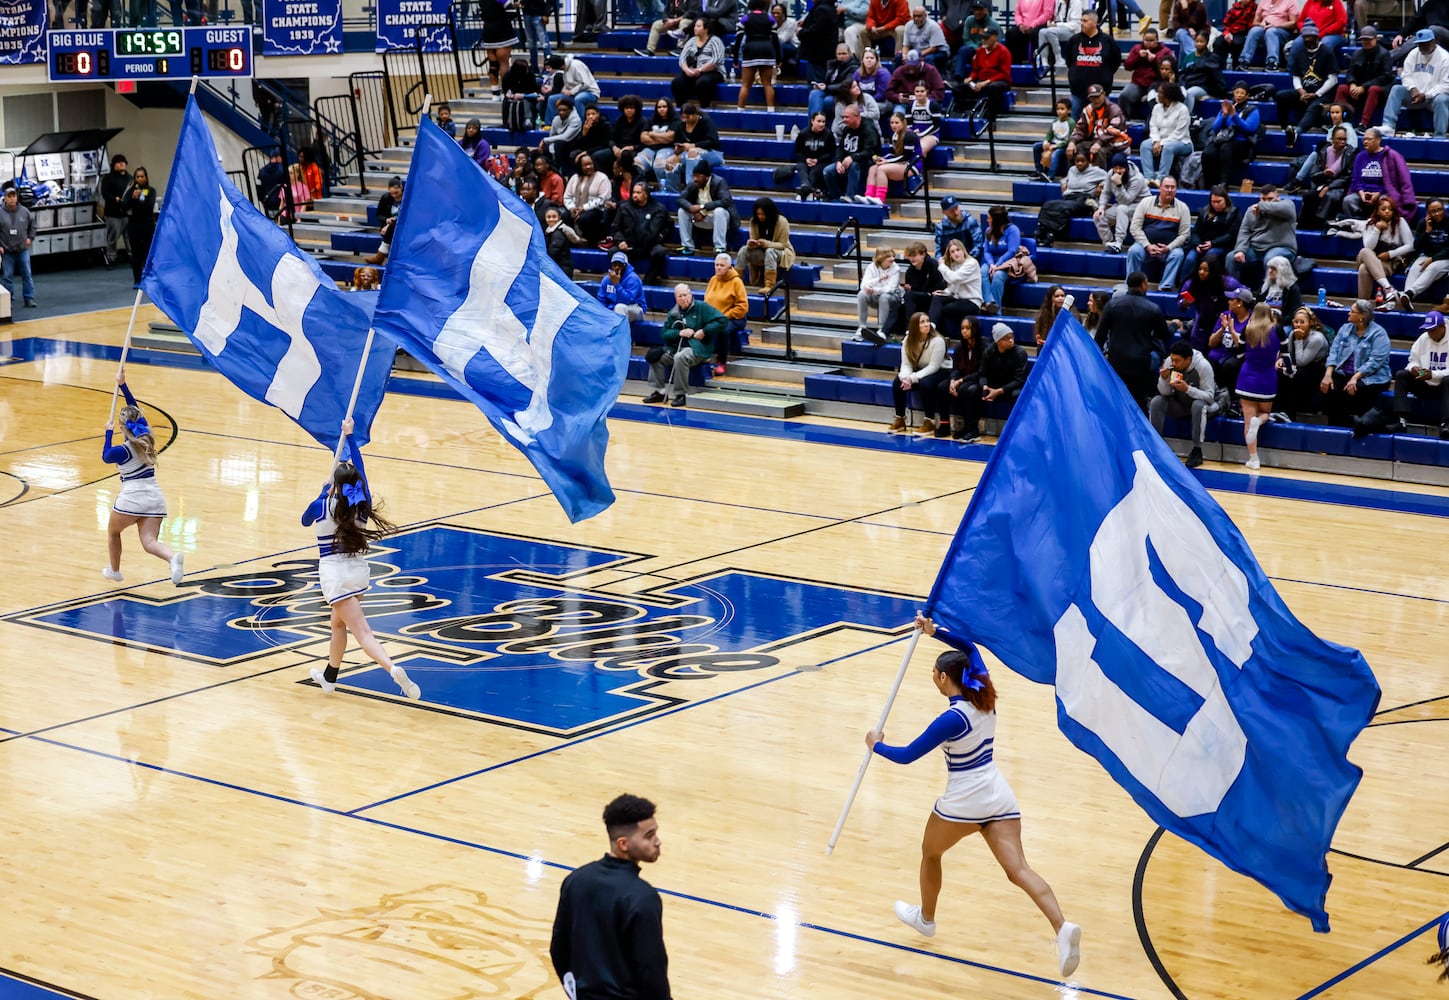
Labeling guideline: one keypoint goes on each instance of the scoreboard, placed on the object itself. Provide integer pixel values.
(149, 53)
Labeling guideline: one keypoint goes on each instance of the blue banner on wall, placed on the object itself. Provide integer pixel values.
(301, 27)
(22, 31)
(401, 22)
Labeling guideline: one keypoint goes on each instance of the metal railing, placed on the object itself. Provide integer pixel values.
(981, 112)
(784, 310)
(243, 182)
(340, 128)
(841, 253)
(924, 191)
(373, 106)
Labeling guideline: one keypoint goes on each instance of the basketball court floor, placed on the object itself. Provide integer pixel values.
(185, 815)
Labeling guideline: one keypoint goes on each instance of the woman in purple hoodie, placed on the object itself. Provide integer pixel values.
(1379, 171)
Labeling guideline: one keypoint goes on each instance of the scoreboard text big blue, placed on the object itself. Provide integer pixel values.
(150, 53)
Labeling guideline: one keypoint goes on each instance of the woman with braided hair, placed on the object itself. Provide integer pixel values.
(977, 797)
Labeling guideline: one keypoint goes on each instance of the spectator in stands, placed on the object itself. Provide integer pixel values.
(1205, 297)
(921, 281)
(1101, 131)
(1160, 228)
(520, 98)
(1358, 369)
(1314, 69)
(852, 13)
(577, 82)
(550, 183)
(787, 36)
(1423, 85)
(1004, 369)
(1169, 135)
(1031, 17)
(445, 121)
(913, 70)
(1303, 168)
(113, 196)
(701, 65)
(1387, 244)
(1124, 188)
(767, 247)
(990, 75)
(1185, 388)
(900, 155)
(560, 239)
(1082, 184)
(1238, 23)
(499, 37)
(758, 53)
(1143, 61)
(1330, 170)
(1379, 172)
(386, 213)
(621, 290)
(17, 236)
(706, 202)
(695, 321)
(1215, 233)
(1003, 258)
(957, 224)
(528, 194)
(922, 34)
(1280, 287)
(567, 126)
(1257, 384)
(855, 150)
(960, 394)
(1330, 17)
(639, 227)
(726, 292)
(1135, 335)
(925, 116)
(1189, 17)
(1055, 300)
(595, 134)
(1066, 22)
(818, 33)
(1275, 23)
(677, 21)
(141, 220)
(923, 360)
(962, 294)
(879, 287)
(814, 154)
(474, 144)
(1300, 368)
(1431, 245)
(625, 134)
(365, 279)
(1432, 14)
(535, 15)
(882, 18)
(1365, 82)
(585, 198)
(696, 141)
(839, 72)
(1050, 154)
(1200, 73)
(874, 79)
(1426, 376)
(1269, 229)
(271, 181)
(1232, 137)
(973, 36)
(1092, 59)
(869, 108)
(1225, 344)
(311, 173)
(659, 137)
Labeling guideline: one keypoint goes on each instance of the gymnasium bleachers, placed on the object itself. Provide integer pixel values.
(826, 370)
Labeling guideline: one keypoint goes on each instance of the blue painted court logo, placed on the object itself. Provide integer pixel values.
(552, 638)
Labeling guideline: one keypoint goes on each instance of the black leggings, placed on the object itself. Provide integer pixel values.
(928, 388)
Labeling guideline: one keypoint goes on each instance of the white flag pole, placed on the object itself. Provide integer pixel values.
(125, 350)
(356, 388)
(865, 761)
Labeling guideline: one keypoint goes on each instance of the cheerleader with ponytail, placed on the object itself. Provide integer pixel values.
(139, 501)
(347, 523)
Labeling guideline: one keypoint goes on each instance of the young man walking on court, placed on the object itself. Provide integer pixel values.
(608, 934)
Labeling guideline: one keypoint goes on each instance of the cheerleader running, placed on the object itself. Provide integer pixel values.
(140, 501)
(347, 523)
(977, 796)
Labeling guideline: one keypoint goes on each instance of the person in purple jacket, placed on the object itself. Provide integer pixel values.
(1379, 172)
(473, 142)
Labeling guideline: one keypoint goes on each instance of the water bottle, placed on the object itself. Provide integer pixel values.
(1322, 297)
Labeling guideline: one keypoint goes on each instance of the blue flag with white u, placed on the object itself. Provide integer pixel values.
(470, 292)
(1092, 559)
(259, 309)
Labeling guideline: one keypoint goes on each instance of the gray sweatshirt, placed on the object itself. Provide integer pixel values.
(15, 228)
(1269, 224)
(1200, 381)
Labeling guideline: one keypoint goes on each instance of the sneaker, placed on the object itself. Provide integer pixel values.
(802, 193)
(1194, 458)
(1142, 23)
(875, 337)
(990, 308)
(1387, 131)
(643, 52)
(30, 304)
(1291, 133)
(1398, 426)
(1410, 134)
(1253, 463)
(1271, 66)
(654, 397)
(1114, 247)
(870, 199)
(911, 917)
(410, 691)
(321, 681)
(114, 575)
(971, 438)
(1069, 944)
(1444, 432)
(1166, 288)
(686, 251)
(677, 401)
(943, 430)
(176, 568)
(719, 369)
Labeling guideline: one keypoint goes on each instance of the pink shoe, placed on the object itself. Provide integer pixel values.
(719, 369)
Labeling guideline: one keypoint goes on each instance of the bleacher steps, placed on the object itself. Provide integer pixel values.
(779, 372)
(163, 335)
(750, 402)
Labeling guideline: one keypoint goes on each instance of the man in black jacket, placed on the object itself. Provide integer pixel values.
(707, 202)
(608, 933)
(115, 199)
(1362, 86)
(1003, 368)
(1215, 232)
(1135, 335)
(639, 232)
(854, 154)
(1092, 57)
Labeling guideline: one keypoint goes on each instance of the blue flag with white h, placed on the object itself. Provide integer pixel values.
(259, 309)
(1092, 559)
(470, 292)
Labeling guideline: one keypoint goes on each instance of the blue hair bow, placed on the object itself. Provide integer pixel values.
(355, 493)
(975, 678)
(137, 427)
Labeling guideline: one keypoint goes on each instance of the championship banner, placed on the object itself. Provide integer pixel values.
(22, 31)
(401, 22)
(301, 27)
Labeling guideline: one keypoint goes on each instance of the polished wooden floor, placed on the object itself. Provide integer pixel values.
(184, 820)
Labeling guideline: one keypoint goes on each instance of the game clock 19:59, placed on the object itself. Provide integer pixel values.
(148, 43)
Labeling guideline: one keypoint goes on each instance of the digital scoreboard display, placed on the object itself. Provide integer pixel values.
(149, 53)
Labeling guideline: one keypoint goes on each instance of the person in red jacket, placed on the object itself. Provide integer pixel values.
(990, 74)
(1331, 17)
(882, 19)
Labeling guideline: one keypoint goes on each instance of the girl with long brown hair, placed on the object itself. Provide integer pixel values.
(923, 359)
(139, 501)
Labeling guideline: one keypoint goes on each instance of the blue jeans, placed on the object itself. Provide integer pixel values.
(819, 100)
(1253, 257)
(8, 262)
(1399, 96)
(1170, 152)
(644, 157)
(683, 171)
(850, 183)
(1137, 257)
(993, 288)
(1276, 37)
(582, 101)
(535, 30)
(1131, 6)
(1058, 161)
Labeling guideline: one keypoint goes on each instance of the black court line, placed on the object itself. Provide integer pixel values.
(23, 488)
(59, 991)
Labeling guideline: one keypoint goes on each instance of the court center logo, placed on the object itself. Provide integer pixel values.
(523, 632)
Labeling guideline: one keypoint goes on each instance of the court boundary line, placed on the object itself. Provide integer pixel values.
(58, 990)
(1359, 966)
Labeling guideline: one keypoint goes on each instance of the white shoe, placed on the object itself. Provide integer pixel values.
(410, 691)
(177, 571)
(1253, 463)
(114, 575)
(1250, 434)
(1387, 131)
(322, 681)
(1069, 948)
(911, 917)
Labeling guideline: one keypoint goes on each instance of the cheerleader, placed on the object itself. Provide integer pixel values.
(1440, 958)
(140, 501)
(977, 797)
(347, 523)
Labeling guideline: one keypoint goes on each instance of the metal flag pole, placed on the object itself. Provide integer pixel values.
(865, 761)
